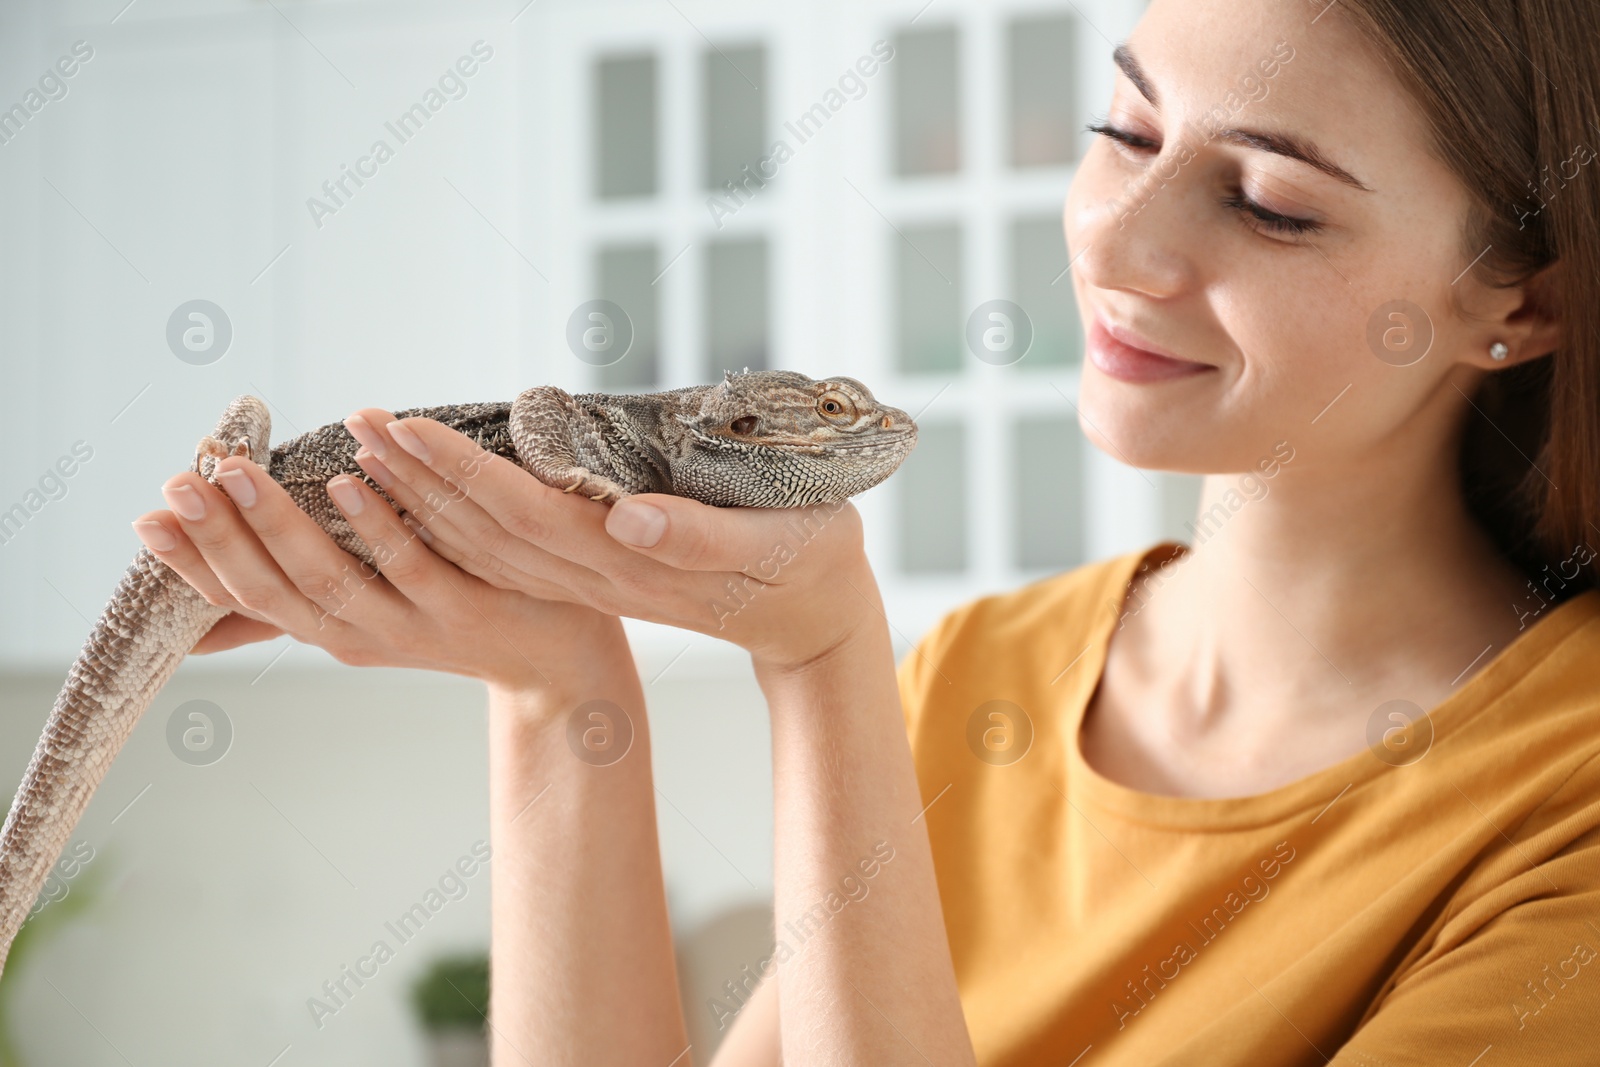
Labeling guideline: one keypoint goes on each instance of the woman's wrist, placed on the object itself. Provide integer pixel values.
(859, 659)
(593, 661)
(853, 619)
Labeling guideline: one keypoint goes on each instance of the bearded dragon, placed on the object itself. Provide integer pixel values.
(757, 439)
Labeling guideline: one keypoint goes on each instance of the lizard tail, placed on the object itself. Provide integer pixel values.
(151, 622)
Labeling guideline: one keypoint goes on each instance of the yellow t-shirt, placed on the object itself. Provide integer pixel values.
(1382, 912)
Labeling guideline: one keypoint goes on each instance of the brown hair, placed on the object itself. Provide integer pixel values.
(1511, 90)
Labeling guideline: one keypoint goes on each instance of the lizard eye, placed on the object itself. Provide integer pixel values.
(837, 407)
(745, 424)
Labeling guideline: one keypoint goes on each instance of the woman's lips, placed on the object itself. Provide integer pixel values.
(1124, 362)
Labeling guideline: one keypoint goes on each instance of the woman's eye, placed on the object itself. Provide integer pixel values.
(1128, 140)
(1258, 216)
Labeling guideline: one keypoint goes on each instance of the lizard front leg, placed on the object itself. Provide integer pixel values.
(245, 429)
(546, 427)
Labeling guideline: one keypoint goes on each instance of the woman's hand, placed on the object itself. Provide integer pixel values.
(790, 585)
(253, 551)
(794, 588)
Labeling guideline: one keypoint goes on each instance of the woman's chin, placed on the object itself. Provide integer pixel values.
(1146, 435)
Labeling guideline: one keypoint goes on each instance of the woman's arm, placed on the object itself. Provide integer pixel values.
(873, 980)
(863, 967)
(582, 953)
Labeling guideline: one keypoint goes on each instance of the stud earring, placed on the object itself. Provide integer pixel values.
(1499, 351)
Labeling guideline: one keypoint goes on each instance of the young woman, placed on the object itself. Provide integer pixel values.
(1324, 785)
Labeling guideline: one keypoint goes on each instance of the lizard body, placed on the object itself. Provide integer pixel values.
(758, 439)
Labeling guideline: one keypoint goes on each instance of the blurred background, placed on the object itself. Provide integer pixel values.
(340, 203)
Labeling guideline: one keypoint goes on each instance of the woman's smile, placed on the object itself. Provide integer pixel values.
(1124, 355)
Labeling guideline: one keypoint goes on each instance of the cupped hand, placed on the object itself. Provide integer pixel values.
(253, 551)
(790, 585)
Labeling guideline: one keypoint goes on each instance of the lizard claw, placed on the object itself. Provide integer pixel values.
(209, 447)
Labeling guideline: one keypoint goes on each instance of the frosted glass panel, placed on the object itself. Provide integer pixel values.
(1048, 456)
(1040, 284)
(928, 315)
(624, 274)
(927, 102)
(735, 119)
(625, 133)
(736, 306)
(1040, 91)
(933, 501)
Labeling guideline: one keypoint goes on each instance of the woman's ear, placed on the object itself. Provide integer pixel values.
(1528, 323)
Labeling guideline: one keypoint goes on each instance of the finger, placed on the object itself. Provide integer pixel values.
(235, 553)
(439, 504)
(434, 528)
(417, 490)
(497, 513)
(164, 537)
(758, 542)
(330, 579)
(409, 577)
(233, 631)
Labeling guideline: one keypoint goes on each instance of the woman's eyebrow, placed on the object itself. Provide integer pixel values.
(1280, 144)
(1283, 144)
(1124, 59)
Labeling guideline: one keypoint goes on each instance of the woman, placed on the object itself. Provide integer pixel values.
(1322, 786)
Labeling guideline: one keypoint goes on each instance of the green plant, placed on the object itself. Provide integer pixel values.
(39, 928)
(453, 993)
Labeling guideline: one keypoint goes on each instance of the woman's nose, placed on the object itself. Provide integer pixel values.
(1137, 235)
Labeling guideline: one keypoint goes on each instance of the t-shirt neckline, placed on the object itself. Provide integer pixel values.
(1319, 788)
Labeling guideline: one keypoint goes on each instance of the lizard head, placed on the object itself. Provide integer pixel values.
(811, 439)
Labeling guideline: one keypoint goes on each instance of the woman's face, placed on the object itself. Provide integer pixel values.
(1198, 234)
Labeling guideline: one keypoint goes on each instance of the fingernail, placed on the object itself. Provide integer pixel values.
(637, 524)
(346, 495)
(408, 440)
(185, 501)
(155, 536)
(374, 468)
(241, 490)
(362, 431)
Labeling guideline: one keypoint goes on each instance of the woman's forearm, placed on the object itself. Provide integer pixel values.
(583, 969)
(867, 975)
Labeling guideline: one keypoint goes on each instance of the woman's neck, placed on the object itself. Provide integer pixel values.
(1330, 588)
